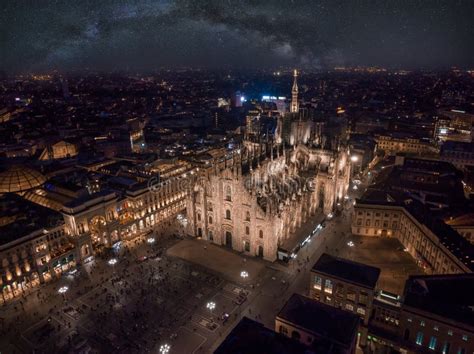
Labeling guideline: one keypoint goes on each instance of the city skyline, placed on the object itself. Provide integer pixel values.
(237, 177)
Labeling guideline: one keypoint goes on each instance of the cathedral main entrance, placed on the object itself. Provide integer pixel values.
(228, 239)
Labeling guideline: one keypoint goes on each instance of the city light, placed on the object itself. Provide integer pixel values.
(211, 305)
(165, 348)
(350, 244)
(244, 274)
(354, 158)
(63, 289)
(150, 240)
(112, 261)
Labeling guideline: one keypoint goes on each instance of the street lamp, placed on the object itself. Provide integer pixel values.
(62, 290)
(165, 348)
(354, 158)
(113, 262)
(244, 274)
(211, 306)
(150, 240)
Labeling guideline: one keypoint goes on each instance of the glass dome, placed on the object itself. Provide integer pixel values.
(20, 178)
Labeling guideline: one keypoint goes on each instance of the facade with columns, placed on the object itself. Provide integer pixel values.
(263, 195)
(107, 218)
(89, 223)
(35, 258)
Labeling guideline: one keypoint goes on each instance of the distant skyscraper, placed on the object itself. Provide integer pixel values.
(65, 87)
(294, 108)
(238, 99)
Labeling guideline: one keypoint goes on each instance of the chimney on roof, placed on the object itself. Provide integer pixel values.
(399, 160)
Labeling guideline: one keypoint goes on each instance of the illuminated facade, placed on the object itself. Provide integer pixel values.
(263, 194)
(294, 108)
(85, 223)
(60, 150)
(36, 258)
(392, 145)
(106, 219)
(434, 245)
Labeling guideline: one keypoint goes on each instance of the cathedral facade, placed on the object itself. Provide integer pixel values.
(261, 199)
(262, 195)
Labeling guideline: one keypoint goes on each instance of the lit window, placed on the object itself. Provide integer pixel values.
(422, 323)
(419, 338)
(317, 282)
(464, 337)
(361, 311)
(446, 347)
(410, 320)
(436, 328)
(349, 307)
(432, 344)
(450, 333)
(328, 286)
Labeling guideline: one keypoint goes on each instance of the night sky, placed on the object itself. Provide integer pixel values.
(148, 35)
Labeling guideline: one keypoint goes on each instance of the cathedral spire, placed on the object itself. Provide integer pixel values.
(294, 108)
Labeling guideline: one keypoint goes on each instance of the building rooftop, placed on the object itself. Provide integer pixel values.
(450, 296)
(20, 217)
(353, 272)
(334, 325)
(249, 336)
(457, 146)
(461, 220)
(19, 178)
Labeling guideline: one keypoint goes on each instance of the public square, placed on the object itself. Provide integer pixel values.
(186, 293)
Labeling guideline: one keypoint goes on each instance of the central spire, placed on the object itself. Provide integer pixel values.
(294, 108)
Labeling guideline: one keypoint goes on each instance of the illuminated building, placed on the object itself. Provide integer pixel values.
(137, 138)
(395, 142)
(460, 154)
(430, 315)
(258, 198)
(344, 284)
(254, 199)
(294, 107)
(60, 150)
(436, 247)
(35, 246)
(66, 224)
